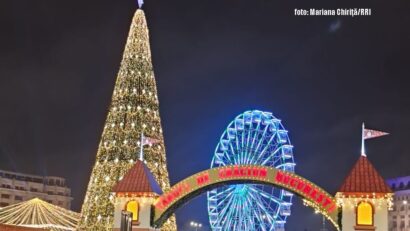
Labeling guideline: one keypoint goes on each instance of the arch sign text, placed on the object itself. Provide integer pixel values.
(198, 183)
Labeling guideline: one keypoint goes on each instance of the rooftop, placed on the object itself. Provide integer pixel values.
(399, 183)
(364, 179)
(138, 179)
(49, 180)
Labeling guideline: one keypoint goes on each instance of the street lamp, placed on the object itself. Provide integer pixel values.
(196, 225)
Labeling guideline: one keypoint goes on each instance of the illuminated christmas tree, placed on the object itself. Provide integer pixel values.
(133, 121)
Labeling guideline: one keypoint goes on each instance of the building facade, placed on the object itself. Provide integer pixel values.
(17, 187)
(399, 217)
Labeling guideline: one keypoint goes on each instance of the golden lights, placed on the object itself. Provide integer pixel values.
(39, 214)
(134, 110)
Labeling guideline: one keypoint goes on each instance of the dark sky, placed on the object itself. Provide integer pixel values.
(213, 59)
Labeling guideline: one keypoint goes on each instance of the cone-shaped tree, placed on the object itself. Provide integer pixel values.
(134, 111)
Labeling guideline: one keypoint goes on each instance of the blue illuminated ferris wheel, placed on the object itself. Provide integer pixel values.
(258, 138)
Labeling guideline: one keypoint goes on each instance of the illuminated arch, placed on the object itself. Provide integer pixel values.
(190, 187)
(365, 214)
(133, 207)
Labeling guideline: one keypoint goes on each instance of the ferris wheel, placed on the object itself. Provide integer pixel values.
(257, 138)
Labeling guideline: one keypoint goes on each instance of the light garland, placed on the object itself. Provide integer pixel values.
(143, 199)
(134, 110)
(351, 201)
(318, 210)
(39, 214)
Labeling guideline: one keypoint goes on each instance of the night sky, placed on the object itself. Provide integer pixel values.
(213, 59)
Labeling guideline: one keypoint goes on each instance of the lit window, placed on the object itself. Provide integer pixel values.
(364, 213)
(133, 207)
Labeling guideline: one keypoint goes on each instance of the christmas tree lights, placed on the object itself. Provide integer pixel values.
(133, 114)
(39, 214)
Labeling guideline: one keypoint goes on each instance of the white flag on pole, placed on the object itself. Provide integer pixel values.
(145, 140)
(370, 134)
(149, 141)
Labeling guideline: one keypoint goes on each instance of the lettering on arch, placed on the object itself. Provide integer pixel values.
(206, 180)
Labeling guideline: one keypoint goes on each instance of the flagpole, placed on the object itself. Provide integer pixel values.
(363, 153)
(142, 147)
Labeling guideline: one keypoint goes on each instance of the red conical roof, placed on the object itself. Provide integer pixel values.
(364, 179)
(138, 180)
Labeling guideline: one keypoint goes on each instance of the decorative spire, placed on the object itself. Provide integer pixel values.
(140, 3)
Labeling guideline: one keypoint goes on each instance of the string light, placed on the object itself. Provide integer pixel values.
(351, 201)
(319, 210)
(39, 214)
(131, 91)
